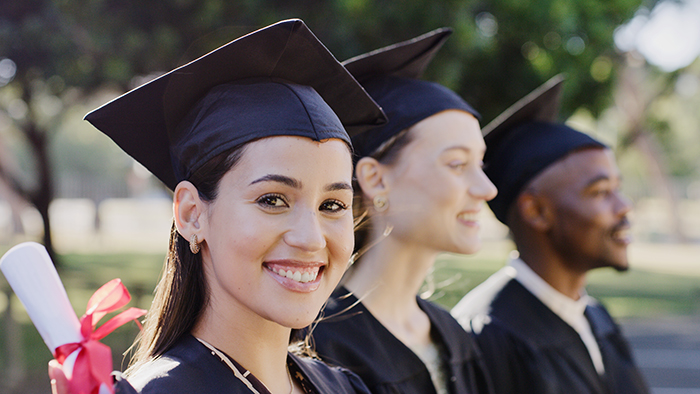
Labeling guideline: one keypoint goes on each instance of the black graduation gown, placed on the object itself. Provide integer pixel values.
(358, 341)
(529, 349)
(190, 368)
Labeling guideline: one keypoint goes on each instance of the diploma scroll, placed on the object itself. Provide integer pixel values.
(33, 277)
(74, 342)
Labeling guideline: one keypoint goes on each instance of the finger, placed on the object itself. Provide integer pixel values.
(59, 382)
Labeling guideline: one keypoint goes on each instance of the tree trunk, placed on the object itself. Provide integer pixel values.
(42, 196)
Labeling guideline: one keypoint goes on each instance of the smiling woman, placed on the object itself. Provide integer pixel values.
(272, 215)
(252, 140)
(421, 189)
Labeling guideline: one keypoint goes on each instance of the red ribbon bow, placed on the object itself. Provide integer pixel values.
(93, 365)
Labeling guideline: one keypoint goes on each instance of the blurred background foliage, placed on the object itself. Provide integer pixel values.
(62, 58)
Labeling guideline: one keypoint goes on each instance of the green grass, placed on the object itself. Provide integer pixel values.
(635, 293)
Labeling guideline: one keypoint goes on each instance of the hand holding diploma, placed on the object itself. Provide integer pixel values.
(86, 362)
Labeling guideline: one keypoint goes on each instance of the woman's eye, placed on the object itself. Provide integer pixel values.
(457, 165)
(272, 201)
(333, 206)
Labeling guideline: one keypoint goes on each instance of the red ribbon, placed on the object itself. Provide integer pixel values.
(93, 366)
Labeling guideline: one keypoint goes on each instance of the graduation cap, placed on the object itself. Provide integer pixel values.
(524, 140)
(390, 75)
(279, 80)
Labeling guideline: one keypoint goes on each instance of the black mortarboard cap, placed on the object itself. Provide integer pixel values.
(524, 140)
(279, 80)
(390, 75)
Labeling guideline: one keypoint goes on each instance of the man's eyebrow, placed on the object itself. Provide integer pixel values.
(291, 182)
(598, 178)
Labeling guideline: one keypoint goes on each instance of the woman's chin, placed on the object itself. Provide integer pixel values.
(297, 318)
(298, 322)
(469, 246)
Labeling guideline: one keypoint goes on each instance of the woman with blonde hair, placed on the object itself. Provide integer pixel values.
(422, 188)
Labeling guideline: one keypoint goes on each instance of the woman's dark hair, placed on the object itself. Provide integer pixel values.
(388, 154)
(182, 294)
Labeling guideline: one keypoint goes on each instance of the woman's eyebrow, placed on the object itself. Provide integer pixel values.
(465, 149)
(338, 186)
(295, 183)
(291, 182)
(457, 147)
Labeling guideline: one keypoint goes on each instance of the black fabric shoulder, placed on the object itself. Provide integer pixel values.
(529, 349)
(452, 335)
(463, 353)
(349, 335)
(328, 379)
(517, 310)
(121, 385)
(506, 355)
(189, 367)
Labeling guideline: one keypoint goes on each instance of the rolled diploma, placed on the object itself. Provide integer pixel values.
(33, 277)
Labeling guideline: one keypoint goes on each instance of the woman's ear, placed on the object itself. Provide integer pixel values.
(188, 211)
(370, 176)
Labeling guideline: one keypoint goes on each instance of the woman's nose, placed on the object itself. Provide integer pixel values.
(306, 232)
(482, 187)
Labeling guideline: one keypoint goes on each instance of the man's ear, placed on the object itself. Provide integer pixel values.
(370, 176)
(535, 211)
(188, 211)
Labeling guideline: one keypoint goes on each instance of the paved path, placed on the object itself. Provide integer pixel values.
(668, 352)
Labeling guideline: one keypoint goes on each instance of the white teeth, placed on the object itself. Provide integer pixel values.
(621, 234)
(472, 217)
(296, 275)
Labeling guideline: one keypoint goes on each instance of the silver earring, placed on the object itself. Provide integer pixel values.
(194, 245)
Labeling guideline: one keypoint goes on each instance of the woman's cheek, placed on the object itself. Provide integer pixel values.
(341, 237)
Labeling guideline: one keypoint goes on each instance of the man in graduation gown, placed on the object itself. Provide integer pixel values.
(559, 195)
